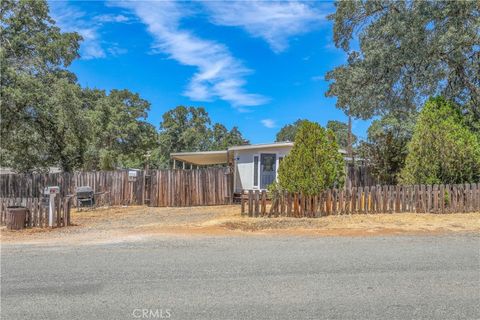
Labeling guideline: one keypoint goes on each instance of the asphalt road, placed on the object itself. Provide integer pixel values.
(421, 277)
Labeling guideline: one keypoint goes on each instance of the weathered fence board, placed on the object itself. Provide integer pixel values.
(359, 176)
(206, 186)
(37, 212)
(177, 188)
(361, 200)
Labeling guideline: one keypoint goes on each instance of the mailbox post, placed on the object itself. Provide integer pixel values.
(51, 192)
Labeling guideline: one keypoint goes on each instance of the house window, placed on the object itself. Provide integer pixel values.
(255, 171)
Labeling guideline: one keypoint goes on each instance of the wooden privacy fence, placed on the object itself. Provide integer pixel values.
(359, 176)
(376, 199)
(178, 188)
(206, 186)
(37, 212)
(120, 189)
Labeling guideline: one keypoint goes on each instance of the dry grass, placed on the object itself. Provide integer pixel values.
(358, 224)
(121, 222)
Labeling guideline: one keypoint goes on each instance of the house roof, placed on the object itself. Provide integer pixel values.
(221, 156)
(262, 145)
(202, 157)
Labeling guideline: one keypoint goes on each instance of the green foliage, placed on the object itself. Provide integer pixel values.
(119, 132)
(386, 147)
(189, 129)
(340, 129)
(314, 163)
(221, 138)
(288, 132)
(184, 129)
(48, 120)
(38, 125)
(408, 51)
(446, 198)
(443, 149)
(274, 190)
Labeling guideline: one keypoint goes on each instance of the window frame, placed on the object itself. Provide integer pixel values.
(256, 175)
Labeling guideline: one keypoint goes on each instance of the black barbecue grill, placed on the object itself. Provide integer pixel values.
(85, 197)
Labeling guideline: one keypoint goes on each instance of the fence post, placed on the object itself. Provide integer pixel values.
(340, 201)
(360, 200)
(435, 198)
(242, 202)
(282, 203)
(295, 204)
(250, 203)
(477, 197)
(328, 202)
(366, 191)
(453, 206)
(257, 200)
(264, 203)
(289, 204)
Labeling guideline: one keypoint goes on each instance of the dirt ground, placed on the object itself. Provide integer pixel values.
(131, 223)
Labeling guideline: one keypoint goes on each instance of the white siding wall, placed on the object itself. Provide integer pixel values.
(244, 165)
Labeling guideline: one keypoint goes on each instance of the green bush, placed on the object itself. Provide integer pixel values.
(314, 163)
(443, 149)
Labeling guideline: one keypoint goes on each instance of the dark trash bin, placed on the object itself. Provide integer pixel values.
(16, 217)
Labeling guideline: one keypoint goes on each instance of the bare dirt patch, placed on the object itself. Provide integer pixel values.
(136, 223)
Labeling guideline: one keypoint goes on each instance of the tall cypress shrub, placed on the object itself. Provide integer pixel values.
(314, 163)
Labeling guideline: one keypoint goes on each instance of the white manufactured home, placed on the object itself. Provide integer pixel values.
(253, 166)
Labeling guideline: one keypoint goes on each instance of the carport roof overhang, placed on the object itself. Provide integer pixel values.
(202, 157)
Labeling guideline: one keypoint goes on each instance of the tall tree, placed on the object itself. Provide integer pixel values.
(443, 149)
(37, 92)
(189, 129)
(47, 119)
(185, 129)
(314, 162)
(119, 133)
(221, 138)
(407, 51)
(385, 149)
(340, 130)
(288, 132)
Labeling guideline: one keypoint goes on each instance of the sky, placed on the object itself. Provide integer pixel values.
(254, 65)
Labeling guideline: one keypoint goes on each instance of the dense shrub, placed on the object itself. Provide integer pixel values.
(314, 163)
(443, 149)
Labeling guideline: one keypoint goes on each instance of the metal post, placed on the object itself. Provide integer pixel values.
(51, 209)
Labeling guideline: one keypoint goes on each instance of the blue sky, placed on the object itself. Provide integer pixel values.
(255, 65)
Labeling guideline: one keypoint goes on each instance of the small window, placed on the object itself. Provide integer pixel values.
(255, 171)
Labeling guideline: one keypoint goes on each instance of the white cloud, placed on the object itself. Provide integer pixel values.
(268, 123)
(275, 22)
(112, 18)
(219, 74)
(90, 46)
(71, 19)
